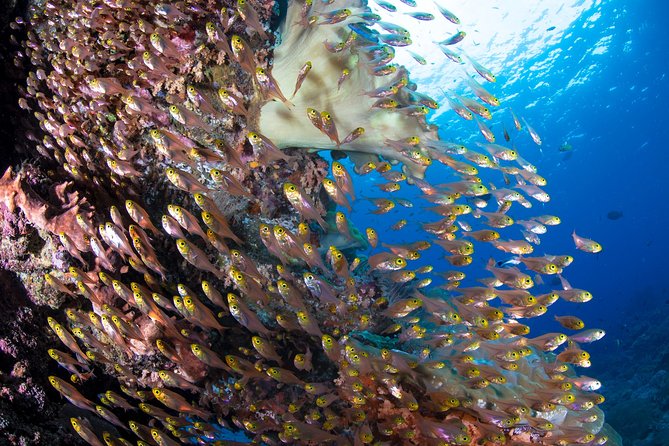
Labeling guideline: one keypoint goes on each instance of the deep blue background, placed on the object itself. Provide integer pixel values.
(616, 124)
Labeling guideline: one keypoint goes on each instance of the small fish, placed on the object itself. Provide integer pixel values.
(511, 277)
(422, 16)
(245, 316)
(85, 431)
(513, 246)
(460, 109)
(71, 394)
(338, 262)
(418, 58)
(614, 215)
(447, 14)
(457, 37)
(450, 54)
(482, 93)
(268, 152)
(250, 16)
(308, 324)
(372, 237)
(585, 244)
(329, 128)
(345, 74)
(475, 107)
(355, 134)
(291, 295)
(219, 225)
(335, 16)
(265, 349)
(302, 203)
(566, 147)
(342, 225)
(177, 402)
(216, 36)
(397, 40)
(383, 205)
(66, 338)
(312, 256)
(487, 75)
(301, 76)
(242, 54)
(535, 136)
(302, 361)
(164, 46)
(570, 322)
(71, 247)
(230, 183)
(185, 181)
(386, 5)
(549, 220)
(269, 87)
(343, 179)
(169, 12)
(69, 363)
(208, 356)
(231, 102)
(188, 118)
(284, 376)
(248, 286)
(196, 257)
(335, 193)
(54, 282)
(106, 86)
(386, 261)
(172, 227)
(399, 225)
(587, 336)
(200, 314)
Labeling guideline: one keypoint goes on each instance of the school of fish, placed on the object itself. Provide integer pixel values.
(300, 329)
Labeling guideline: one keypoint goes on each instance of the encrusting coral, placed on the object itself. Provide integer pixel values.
(216, 284)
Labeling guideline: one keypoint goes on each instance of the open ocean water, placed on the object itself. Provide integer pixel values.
(592, 78)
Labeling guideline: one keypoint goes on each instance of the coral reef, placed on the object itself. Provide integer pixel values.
(210, 287)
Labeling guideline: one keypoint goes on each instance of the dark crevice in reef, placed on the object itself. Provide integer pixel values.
(29, 407)
(12, 123)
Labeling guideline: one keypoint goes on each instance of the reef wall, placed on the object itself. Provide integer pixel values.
(178, 248)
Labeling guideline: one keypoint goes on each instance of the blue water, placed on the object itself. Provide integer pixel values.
(609, 105)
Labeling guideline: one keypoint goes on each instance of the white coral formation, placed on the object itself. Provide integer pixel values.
(349, 106)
